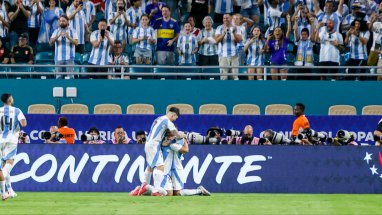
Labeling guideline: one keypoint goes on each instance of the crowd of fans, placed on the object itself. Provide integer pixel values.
(197, 32)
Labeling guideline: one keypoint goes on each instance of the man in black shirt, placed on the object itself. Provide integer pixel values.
(22, 53)
(18, 16)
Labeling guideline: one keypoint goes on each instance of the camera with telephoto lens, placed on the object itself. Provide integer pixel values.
(89, 137)
(377, 138)
(274, 138)
(232, 132)
(196, 138)
(343, 137)
(46, 135)
(312, 134)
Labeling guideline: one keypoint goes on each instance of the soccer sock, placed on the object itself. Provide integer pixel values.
(192, 192)
(148, 175)
(158, 178)
(7, 175)
(2, 185)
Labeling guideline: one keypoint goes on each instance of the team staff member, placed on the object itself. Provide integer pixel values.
(68, 133)
(167, 33)
(301, 122)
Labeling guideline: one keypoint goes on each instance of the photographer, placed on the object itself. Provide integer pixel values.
(214, 136)
(140, 137)
(68, 133)
(53, 136)
(311, 137)
(245, 138)
(23, 138)
(120, 136)
(271, 137)
(378, 134)
(343, 138)
(92, 137)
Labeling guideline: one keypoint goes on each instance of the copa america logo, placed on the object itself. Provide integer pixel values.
(370, 161)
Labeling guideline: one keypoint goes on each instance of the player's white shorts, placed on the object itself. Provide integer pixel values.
(7, 151)
(154, 156)
(173, 181)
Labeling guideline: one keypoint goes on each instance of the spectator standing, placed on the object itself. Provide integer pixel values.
(102, 40)
(65, 40)
(329, 13)
(78, 23)
(255, 48)
(134, 14)
(167, 33)
(34, 23)
(49, 21)
(208, 55)
(90, 13)
(221, 8)
(187, 46)
(4, 23)
(144, 36)
(18, 16)
(195, 31)
(228, 37)
(199, 10)
(154, 10)
(119, 23)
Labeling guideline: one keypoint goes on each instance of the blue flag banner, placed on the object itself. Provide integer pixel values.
(362, 127)
(220, 168)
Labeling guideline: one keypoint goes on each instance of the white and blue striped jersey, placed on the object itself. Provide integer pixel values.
(301, 24)
(89, 10)
(100, 55)
(119, 27)
(223, 6)
(78, 23)
(308, 3)
(336, 17)
(377, 36)
(144, 4)
(274, 18)
(158, 129)
(34, 19)
(210, 48)
(141, 32)
(373, 8)
(243, 31)
(329, 52)
(172, 157)
(3, 28)
(10, 118)
(187, 44)
(358, 51)
(109, 9)
(228, 46)
(64, 49)
(267, 19)
(255, 58)
(134, 16)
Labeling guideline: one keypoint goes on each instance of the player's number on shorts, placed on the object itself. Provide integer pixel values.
(6, 121)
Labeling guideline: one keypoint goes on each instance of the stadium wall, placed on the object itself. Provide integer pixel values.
(224, 168)
(317, 95)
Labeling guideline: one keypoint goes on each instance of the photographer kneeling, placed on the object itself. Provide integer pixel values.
(310, 137)
(271, 137)
(140, 137)
(120, 136)
(242, 138)
(53, 136)
(92, 137)
(343, 138)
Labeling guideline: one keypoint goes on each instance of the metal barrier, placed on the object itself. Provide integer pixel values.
(80, 71)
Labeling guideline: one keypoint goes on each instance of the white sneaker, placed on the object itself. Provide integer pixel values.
(12, 194)
(205, 192)
(5, 196)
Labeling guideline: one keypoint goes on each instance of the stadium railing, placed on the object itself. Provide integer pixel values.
(182, 72)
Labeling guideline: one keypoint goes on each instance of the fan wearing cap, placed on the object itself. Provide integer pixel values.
(22, 53)
(358, 11)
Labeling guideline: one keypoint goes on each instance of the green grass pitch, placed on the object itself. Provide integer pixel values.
(121, 203)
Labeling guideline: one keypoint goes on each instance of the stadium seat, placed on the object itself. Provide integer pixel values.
(74, 109)
(23, 69)
(165, 70)
(107, 109)
(372, 110)
(213, 109)
(41, 109)
(140, 109)
(183, 108)
(342, 110)
(44, 47)
(246, 109)
(44, 57)
(278, 109)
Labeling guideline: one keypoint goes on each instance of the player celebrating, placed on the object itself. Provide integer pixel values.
(154, 156)
(10, 120)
